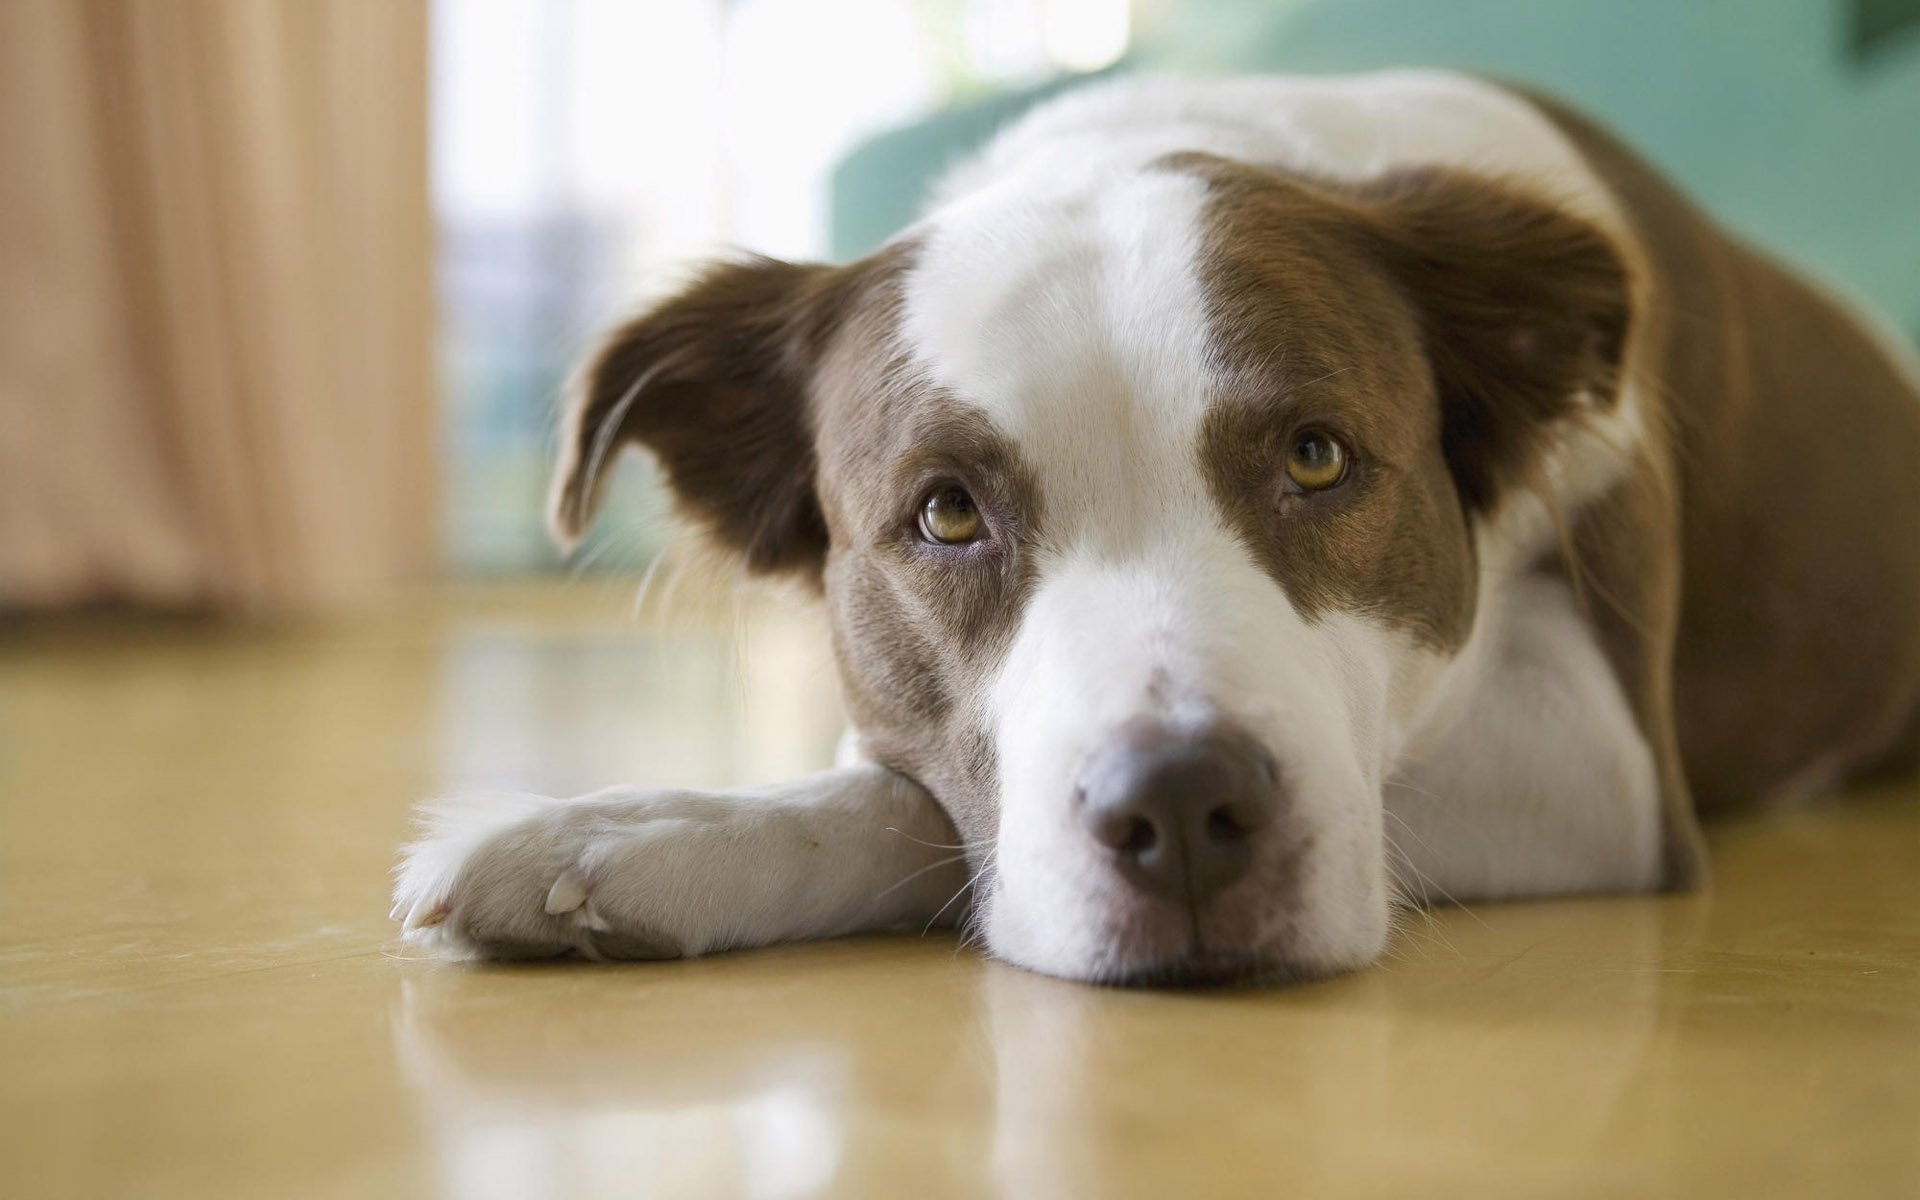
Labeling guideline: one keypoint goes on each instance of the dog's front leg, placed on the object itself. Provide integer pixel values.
(644, 873)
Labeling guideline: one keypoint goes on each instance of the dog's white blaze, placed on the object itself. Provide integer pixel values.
(1077, 324)
(1057, 289)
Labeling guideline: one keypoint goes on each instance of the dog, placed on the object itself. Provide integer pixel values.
(1244, 507)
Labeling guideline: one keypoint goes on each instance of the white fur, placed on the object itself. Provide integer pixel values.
(679, 873)
(451, 829)
(1529, 775)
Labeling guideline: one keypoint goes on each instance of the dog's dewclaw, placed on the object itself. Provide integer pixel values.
(568, 893)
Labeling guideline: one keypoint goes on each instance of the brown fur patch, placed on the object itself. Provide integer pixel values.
(714, 381)
(920, 630)
(1523, 308)
(789, 421)
(1796, 474)
(1441, 325)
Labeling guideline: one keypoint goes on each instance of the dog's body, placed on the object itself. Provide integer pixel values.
(1235, 499)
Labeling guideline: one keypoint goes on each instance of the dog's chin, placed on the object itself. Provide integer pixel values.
(1250, 936)
(1208, 967)
(1193, 966)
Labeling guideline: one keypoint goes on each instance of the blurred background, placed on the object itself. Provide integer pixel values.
(288, 290)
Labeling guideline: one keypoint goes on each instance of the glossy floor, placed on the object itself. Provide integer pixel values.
(200, 995)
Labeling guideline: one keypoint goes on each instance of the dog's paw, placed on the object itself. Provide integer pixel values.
(519, 877)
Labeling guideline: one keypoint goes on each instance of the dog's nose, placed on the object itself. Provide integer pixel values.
(1179, 811)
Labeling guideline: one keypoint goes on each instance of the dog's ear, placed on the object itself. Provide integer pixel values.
(715, 383)
(1524, 312)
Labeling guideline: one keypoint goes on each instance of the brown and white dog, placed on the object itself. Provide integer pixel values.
(1240, 504)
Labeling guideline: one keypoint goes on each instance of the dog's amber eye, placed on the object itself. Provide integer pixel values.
(1317, 461)
(950, 517)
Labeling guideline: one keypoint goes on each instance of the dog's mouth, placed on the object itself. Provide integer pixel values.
(1208, 967)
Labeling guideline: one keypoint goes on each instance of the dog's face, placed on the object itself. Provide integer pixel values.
(1145, 513)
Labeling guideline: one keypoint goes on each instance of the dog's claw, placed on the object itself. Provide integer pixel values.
(567, 894)
(426, 914)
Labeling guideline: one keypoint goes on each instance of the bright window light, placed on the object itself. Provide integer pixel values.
(1085, 35)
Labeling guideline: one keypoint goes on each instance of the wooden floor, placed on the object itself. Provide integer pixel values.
(200, 994)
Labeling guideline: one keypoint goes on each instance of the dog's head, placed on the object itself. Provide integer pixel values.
(1145, 513)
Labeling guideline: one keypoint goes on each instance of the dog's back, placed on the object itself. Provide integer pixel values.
(1795, 448)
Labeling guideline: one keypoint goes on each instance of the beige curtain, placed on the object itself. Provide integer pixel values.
(216, 384)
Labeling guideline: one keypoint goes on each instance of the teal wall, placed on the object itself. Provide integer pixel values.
(1768, 111)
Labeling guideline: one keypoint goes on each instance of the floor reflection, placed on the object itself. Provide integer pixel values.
(1406, 1081)
(840, 1067)
(789, 1072)
(596, 1104)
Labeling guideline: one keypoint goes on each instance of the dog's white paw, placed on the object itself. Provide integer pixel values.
(528, 877)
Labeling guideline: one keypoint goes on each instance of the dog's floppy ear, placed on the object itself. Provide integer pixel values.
(1524, 311)
(715, 382)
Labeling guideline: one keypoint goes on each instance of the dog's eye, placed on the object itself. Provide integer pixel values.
(1317, 461)
(950, 517)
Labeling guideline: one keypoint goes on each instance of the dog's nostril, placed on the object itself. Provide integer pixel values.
(1223, 826)
(1138, 838)
(1242, 817)
(1126, 832)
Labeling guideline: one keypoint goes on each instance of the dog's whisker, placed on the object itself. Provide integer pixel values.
(1446, 895)
(973, 933)
(618, 537)
(1432, 931)
(1405, 859)
(1424, 844)
(1417, 790)
(932, 866)
(647, 578)
(1407, 901)
(935, 919)
(973, 930)
(923, 842)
